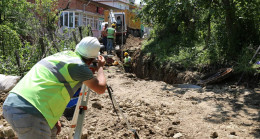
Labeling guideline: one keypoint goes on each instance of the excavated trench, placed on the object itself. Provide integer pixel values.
(145, 67)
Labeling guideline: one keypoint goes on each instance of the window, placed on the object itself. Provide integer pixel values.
(99, 25)
(71, 19)
(84, 19)
(92, 23)
(66, 18)
(95, 24)
(61, 20)
(76, 19)
(77, 23)
(88, 21)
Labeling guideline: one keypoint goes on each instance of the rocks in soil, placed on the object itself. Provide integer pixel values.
(176, 122)
(171, 132)
(214, 135)
(6, 132)
(233, 133)
(178, 135)
(84, 134)
(97, 105)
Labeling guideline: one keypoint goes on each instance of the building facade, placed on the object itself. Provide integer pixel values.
(82, 13)
(120, 4)
(87, 12)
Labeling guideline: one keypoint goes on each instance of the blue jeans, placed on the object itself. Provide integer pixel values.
(105, 42)
(28, 126)
(110, 43)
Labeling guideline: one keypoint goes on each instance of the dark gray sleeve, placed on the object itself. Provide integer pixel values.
(80, 72)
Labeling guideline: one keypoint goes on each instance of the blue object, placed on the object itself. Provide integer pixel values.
(77, 93)
(258, 62)
(73, 101)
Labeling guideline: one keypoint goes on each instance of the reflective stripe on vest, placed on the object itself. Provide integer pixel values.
(55, 71)
(48, 86)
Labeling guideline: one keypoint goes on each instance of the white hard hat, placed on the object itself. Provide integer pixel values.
(88, 47)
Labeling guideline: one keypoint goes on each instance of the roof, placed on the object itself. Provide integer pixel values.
(113, 1)
(99, 4)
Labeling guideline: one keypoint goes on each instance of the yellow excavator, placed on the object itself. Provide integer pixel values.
(126, 23)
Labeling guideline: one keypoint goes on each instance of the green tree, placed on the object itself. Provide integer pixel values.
(223, 27)
(10, 51)
(29, 32)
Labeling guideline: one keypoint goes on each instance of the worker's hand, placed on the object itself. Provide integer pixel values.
(101, 61)
(58, 126)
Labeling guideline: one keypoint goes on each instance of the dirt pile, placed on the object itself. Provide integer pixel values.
(132, 44)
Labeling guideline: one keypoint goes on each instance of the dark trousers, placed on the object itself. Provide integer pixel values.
(127, 69)
(105, 42)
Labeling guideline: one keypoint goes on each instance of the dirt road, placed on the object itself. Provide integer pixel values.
(158, 110)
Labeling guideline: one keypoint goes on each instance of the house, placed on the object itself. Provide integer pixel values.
(83, 13)
(77, 13)
(120, 4)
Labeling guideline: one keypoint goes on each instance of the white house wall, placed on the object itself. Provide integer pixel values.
(118, 5)
(75, 18)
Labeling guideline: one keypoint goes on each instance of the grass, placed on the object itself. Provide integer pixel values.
(189, 56)
(170, 50)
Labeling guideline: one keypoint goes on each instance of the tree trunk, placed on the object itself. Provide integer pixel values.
(1, 21)
(42, 46)
(209, 30)
(74, 36)
(80, 33)
(17, 57)
(230, 26)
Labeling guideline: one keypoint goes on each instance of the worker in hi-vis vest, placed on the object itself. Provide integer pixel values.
(111, 35)
(127, 62)
(36, 103)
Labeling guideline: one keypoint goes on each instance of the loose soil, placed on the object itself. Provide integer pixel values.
(160, 110)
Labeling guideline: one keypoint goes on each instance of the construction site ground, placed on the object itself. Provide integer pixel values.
(158, 110)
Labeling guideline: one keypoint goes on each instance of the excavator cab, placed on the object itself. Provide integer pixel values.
(121, 28)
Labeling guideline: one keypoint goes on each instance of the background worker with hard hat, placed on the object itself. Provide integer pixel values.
(111, 35)
(36, 103)
(127, 62)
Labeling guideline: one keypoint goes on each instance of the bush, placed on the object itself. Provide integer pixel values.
(10, 51)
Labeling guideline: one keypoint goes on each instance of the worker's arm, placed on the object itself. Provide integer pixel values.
(102, 33)
(115, 34)
(98, 84)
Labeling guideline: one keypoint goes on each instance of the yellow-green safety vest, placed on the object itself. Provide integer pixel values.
(126, 60)
(48, 86)
(110, 33)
